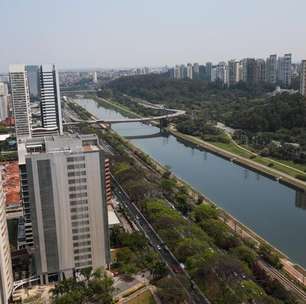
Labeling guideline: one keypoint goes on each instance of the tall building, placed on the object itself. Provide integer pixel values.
(33, 81)
(21, 100)
(284, 70)
(3, 88)
(196, 71)
(51, 112)
(303, 78)
(68, 181)
(221, 72)
(183, 71)
(177, 72)
(248, 70)
(189, 71)
(208, 68)
(260, 70)
(233, 72)
(213, 74)
(4, 98)
(271, 69)
(6, 273)
(95, 76)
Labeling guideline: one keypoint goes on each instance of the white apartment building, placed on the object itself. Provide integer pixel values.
(51, 113)
(21, 100)
(68, 181)
(6, 273)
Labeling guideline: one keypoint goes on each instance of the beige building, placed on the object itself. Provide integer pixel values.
(68, 181)
(6, 273)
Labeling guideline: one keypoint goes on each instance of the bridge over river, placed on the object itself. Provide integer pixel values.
(172, 113)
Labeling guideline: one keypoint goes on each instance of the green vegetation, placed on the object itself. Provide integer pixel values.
(95, 287)
(169, 291)
(144, 298)
(223, 266)
(161, 89)
(135, 255)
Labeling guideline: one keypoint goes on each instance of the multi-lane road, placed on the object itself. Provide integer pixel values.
(192, 291)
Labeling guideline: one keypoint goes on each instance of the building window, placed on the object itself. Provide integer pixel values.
(75, 158)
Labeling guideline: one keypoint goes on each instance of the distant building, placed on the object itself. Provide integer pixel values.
(50, 104)
(6, 272)
(208, 68)
(248, 70)
(260, 70)
(69, 186)
(95, 77)
(21, 100)
(3, 88)
(303, 78)
(183, 71)
(33, 81)
(221, 72)
(177, 72)
(271, 69)
(196, 71)
(213, 74)
(189, 71)
(4, 101)
(233, 72)
(284, 70)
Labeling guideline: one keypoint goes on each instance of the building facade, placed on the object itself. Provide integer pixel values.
(6, 273)
(189, 71)
(271, 69)
(4, 101)
(260, 70)
(21, 100)
(284, 70)
(50, 100)
(233, 72)
(303, 78)
(68, 191)
(196, 71)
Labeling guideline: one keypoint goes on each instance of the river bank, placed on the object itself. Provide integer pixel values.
(248, 163)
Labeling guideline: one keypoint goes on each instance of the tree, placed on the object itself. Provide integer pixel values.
(170, 291)
(95, 287)
(204, 212)
(245, 254)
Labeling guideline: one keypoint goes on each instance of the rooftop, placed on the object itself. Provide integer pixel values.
(59, 143)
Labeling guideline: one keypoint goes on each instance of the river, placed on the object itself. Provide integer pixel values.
(274, 211)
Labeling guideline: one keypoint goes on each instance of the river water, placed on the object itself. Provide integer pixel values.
(274, 211)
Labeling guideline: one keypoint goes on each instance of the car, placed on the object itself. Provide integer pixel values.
(158, 247)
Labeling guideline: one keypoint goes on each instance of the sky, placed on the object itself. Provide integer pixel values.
(134, 33)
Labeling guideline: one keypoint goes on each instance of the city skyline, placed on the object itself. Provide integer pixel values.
(110, 35)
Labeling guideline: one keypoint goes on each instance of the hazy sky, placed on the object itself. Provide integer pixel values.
(125, 33)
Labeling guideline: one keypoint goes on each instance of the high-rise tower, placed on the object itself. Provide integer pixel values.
(68, 190)
(21, 100)
(50, 100)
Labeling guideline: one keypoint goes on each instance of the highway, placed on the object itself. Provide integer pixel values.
(194, 294)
